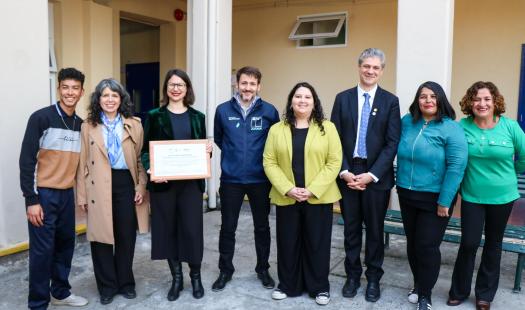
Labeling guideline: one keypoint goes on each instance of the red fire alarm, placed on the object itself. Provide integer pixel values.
(179, 14)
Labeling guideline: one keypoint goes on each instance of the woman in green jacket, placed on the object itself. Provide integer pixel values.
(488, 190)
(176, 206)
(302, 158)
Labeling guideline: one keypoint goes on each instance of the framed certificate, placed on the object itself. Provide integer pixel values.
(179, 160)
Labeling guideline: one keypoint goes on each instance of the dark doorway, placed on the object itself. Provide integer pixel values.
(139, 60)
(142, 84)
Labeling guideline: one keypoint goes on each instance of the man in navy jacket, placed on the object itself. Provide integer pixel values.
(368, 120)
(240, 131)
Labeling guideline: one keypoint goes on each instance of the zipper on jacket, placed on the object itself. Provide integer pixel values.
(412, 164)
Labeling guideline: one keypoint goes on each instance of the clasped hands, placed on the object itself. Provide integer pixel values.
(299, 194)
(357, 182)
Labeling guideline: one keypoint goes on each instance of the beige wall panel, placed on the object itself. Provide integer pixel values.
(487, 46)
(172, 34)
(168, 39)
(97, 51)
(260, 38)
(140, 47)
(116, 46)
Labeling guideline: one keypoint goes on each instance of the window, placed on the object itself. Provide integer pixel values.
(52, 57)
(321, 30)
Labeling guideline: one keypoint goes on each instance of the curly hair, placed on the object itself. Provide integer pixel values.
(468, 99)
(317, 113)
(189, 99)
(126, 106)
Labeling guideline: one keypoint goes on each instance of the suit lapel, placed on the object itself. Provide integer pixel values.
(164, 121)
(127, 146)
(353, 107)
(374, 111)
(97, 137)
(288, 138)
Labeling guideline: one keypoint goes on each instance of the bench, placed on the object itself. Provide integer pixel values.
(513, 240)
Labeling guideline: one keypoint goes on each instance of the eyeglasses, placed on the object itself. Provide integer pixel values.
(176, 86)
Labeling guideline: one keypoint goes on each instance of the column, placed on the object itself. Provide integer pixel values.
(424, 46)
(24, 85)
(209, 65)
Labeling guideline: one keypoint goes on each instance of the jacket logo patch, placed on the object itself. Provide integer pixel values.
(234, 118)
(256, 123)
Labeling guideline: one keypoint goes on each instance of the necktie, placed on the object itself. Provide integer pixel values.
(365, 114)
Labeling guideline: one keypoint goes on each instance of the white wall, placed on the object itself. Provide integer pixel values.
(24, 88)
(424, 46)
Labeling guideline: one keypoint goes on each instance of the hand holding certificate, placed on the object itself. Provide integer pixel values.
(179, 160)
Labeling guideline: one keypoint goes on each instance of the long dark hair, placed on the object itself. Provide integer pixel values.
(317, 113)
(94, 109)
(443, 106)
(189, 99)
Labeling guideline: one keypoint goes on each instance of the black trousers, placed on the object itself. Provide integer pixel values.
(51, 247)
(177, 224)
(113, 264)
(424, 231)
(304, 234)
(368, 206)
(474, 219)
(232, 196)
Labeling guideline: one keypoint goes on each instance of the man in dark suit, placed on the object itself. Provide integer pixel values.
(368, 120)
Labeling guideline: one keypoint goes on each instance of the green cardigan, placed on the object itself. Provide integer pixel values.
(323, 158)
(158, 127)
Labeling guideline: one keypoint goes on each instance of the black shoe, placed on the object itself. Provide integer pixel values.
(350, 288)
(221, 281)
(424, 303)
(177, 283)
(129, 294)
(266, 279)
(373, 292)
(196, 283)
(106, 299)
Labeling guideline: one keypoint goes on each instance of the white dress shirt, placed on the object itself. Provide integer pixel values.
(360, 103)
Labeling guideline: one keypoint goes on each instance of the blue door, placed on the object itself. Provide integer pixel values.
(142, 84)
(521, 97)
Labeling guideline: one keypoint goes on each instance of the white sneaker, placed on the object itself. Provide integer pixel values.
(412, 296)
(71, 300)
(277, 294)
(322, 298)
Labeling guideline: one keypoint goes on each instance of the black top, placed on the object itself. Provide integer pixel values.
(298, 141)
(181, 126)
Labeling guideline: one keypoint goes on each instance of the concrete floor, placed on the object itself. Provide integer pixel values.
(245, 291)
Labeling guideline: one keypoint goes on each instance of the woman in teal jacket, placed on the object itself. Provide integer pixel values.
(488, 191)
(302, 158)
(431, 160)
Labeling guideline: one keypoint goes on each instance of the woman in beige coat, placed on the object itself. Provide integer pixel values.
(111, 186)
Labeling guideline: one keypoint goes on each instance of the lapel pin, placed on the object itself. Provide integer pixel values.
(374, 113)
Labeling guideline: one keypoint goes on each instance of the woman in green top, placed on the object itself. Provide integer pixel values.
(488, 190)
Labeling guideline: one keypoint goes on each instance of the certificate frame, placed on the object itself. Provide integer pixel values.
(160, 146)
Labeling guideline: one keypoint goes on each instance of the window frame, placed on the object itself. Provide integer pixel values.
(343, 22)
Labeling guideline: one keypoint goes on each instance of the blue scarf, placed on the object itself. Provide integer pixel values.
(113, 141)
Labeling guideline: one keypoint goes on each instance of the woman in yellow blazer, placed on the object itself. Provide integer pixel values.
(111, 184)
(302, 158)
